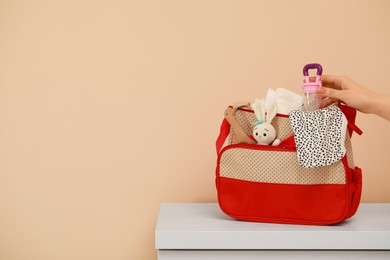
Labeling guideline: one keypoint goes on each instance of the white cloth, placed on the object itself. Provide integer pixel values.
(319, 135)
(286, 100)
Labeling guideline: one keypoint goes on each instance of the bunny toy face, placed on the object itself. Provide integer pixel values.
(264, 133)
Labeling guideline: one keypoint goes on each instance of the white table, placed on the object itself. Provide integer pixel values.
(202, 231)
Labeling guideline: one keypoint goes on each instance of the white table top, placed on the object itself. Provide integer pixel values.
(205, 226)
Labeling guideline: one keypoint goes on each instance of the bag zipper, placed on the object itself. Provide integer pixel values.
(279, 148)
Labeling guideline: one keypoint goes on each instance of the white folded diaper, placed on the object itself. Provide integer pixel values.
(286, 100)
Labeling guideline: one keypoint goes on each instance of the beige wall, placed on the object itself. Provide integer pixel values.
(109, 108)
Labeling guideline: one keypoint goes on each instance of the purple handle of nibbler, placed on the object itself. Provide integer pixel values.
(312, 66)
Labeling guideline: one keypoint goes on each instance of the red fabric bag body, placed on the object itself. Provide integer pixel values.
(267, 184)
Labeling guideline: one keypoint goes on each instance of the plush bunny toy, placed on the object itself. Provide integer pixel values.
(264, 132)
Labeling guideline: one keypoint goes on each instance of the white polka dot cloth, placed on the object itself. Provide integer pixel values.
(319, 135)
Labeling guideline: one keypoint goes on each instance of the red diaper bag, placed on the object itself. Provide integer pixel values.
(266, 183)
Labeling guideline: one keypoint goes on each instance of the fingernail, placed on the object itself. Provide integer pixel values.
(321, 90)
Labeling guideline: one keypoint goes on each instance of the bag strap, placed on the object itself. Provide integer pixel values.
(350, 114)
(223, 134)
